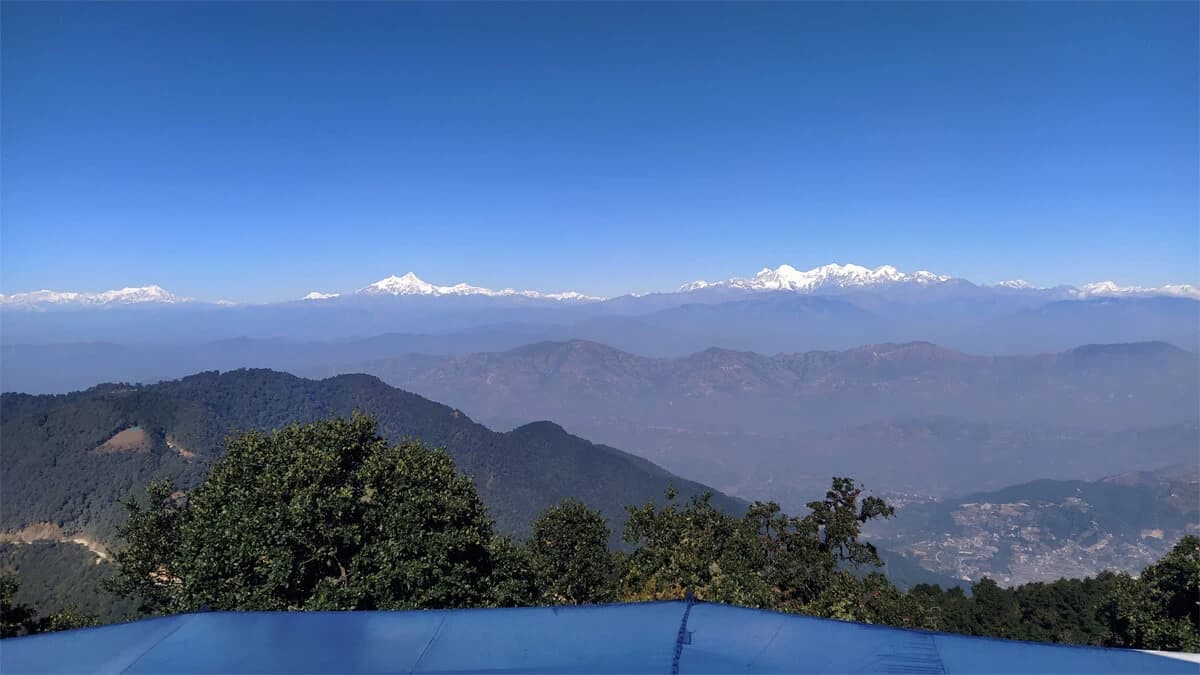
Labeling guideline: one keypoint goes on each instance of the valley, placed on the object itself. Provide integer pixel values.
(1046, 530)
(913, 416)
(1038, 456)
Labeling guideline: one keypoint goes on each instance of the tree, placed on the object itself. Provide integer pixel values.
(513, 582)
(570, 557)
(325, 515)
(997, 611)
(948, 610)
(1174, 583)
(152, 541)
(1159, 610)
(692, 548)
(870, 599)
(1066, 610)
(67, 619)
(805, 560)
(15, 619)
(767, 558)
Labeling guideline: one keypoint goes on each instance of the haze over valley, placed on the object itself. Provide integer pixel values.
(759, 387)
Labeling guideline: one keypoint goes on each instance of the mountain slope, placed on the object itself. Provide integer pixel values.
(57, 468)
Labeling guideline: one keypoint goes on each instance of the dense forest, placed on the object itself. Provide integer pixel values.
(330, 515)
(59, 466)
(60, 577)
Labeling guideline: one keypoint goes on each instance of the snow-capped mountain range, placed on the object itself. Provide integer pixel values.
(832, 278)
(788, 278)
(124, 296)
(1110, 288)
(411, 284)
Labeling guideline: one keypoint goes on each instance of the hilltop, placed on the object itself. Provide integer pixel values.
(57, 467)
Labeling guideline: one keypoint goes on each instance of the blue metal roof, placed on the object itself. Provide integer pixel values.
(655, 637)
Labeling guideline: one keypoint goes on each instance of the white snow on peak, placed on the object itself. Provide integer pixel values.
(411, 284)
(1179, 290)
(927, 277)
(838, 277)
(694, 285)
(824, 279)
(1112, 289)
(1016, 285)
(788, 278)
(123, 296)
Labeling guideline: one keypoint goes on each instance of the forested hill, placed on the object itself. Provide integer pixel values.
(68, 459)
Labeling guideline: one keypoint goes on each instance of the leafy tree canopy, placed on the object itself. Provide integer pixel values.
(570, 557)
(325, 515)
(1161, 609)
(328, 515)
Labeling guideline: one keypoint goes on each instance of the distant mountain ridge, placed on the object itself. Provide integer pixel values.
(788, 278)
(832, 278)
(781, 310)
(837, 278)
(912, 416)
(563, 374)
(411, 284)
(123, 296)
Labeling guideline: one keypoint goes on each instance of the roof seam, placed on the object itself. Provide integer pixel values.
(933, 640)
(679, 639)
(432, 638)
(179, 624)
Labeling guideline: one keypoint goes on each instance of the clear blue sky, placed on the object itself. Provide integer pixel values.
(258, 151)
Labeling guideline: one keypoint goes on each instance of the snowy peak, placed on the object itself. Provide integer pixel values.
(1016, 285)
(835, 276)
(827, 279)
(411, 284)
(152, 293)
(1111, 289)
(123, 296)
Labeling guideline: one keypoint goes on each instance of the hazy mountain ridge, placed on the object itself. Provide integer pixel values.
(1116, 385)
(816, 413)
(306, 333)
(912, 416)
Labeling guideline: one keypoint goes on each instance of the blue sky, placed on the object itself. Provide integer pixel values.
(258, 151)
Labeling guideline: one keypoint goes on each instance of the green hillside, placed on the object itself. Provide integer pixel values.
(58, 468)
(58, 576)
